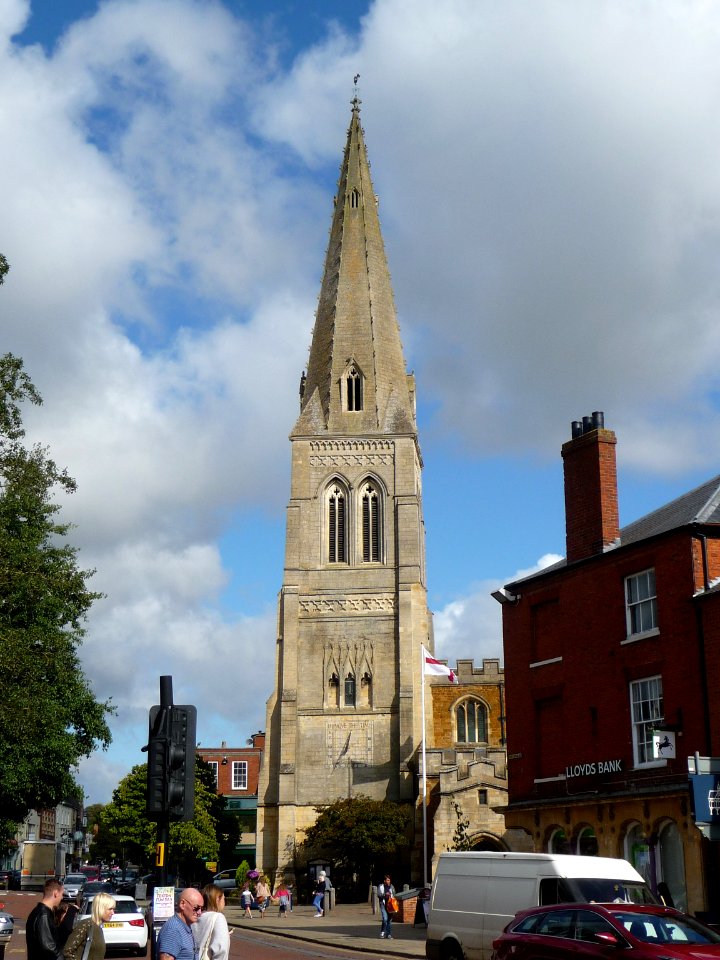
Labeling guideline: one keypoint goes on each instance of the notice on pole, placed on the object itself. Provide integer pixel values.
(163, 903)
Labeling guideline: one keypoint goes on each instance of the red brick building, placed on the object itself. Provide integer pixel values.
(612, 658)
(237, 770)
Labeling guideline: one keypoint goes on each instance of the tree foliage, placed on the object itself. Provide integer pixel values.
(358, 833)
(461, 838)
(125, 833)
(49, 718)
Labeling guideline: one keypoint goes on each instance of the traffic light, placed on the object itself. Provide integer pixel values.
(171, 763)
(157, 764)
(181, 763)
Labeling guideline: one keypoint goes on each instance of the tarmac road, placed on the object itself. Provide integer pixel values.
(348, 929)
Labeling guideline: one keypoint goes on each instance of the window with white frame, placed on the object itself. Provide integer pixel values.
(646, 702)
(239, 775)
(641, 603)
(213, 764)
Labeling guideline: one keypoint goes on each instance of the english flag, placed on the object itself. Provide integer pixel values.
(435, 668)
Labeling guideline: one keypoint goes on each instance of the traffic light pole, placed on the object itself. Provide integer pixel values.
(163, 823)
(171, 768)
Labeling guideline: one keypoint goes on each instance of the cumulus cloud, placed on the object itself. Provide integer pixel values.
(550, 194)
(471, 626)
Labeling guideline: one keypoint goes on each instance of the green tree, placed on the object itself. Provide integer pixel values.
(125, 830)
(359, 834)
(49, 718)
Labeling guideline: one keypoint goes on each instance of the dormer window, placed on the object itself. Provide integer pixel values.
(354, 198)
(353, 389)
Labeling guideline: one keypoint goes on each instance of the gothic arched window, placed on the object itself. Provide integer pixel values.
(354, 198)
(349, 690)
(471, 722)
(354, 390)
(371, 524)
(336, 524)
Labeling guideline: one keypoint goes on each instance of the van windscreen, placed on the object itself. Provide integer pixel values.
(597, 890)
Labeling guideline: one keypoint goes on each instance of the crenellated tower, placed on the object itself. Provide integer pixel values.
(344, 717)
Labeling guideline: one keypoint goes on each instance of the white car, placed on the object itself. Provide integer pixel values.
(127, 930)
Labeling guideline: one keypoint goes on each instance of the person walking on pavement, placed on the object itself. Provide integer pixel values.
(283, 896)
(211, 933)
(319, 894)
(262, 895)
(175, 940)
(385, 891)
(246, 899)
(40, 928)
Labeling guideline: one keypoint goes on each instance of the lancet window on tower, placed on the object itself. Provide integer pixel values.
(371, 524)
(354, 198)
(350, 690)
(471, 722)
(353, 389)
(336, 524)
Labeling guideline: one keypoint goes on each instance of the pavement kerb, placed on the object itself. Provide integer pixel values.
(349, 926)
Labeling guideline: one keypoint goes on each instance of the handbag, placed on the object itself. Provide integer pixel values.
(205, 952)
(88, 942)
(391, 904)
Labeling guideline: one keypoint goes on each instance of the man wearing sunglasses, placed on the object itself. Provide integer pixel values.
(175, 940)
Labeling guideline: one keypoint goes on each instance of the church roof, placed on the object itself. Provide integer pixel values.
(356, 330)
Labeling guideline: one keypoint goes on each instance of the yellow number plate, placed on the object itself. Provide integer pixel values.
(112, 924)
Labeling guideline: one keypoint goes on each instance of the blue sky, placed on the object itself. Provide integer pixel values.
(550, 203)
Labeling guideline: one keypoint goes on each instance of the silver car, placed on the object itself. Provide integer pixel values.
(225, 879)
(74, 884)
(7, 925)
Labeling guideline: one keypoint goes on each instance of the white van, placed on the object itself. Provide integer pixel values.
(475, 895)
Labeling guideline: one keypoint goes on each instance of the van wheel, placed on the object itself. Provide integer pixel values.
(452, 951)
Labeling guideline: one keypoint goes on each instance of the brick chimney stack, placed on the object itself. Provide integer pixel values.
(591, 502)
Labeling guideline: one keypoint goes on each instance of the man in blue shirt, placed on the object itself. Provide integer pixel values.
(175, 940)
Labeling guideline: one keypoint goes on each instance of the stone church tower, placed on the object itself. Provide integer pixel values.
(344, 718)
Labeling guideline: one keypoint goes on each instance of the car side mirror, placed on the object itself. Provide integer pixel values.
(608, 939)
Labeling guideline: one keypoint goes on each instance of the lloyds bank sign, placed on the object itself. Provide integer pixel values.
(593, 769)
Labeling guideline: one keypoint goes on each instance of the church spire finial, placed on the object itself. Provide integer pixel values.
(356, 101)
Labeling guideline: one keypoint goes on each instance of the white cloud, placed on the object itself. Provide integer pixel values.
(471, 626)
(550, 195)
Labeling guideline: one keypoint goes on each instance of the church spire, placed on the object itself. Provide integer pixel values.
(356, 378)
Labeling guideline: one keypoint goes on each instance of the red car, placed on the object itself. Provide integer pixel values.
(586, 930)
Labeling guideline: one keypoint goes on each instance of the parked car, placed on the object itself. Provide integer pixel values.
(74, 883)
(127, 931)
(225, 879)
(98, 886)
(590, 930)
(7, 925)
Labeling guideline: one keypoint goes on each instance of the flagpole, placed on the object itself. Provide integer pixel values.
(424, 766)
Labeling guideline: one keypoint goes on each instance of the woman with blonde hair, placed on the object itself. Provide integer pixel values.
(211, 933)
(87, 941)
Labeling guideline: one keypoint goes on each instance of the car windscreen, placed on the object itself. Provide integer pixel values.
(598, 890)
(655, 928)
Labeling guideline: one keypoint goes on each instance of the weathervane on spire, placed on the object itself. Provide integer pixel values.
(356, 101)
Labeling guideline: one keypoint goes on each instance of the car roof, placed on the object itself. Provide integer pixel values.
(657, 909)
